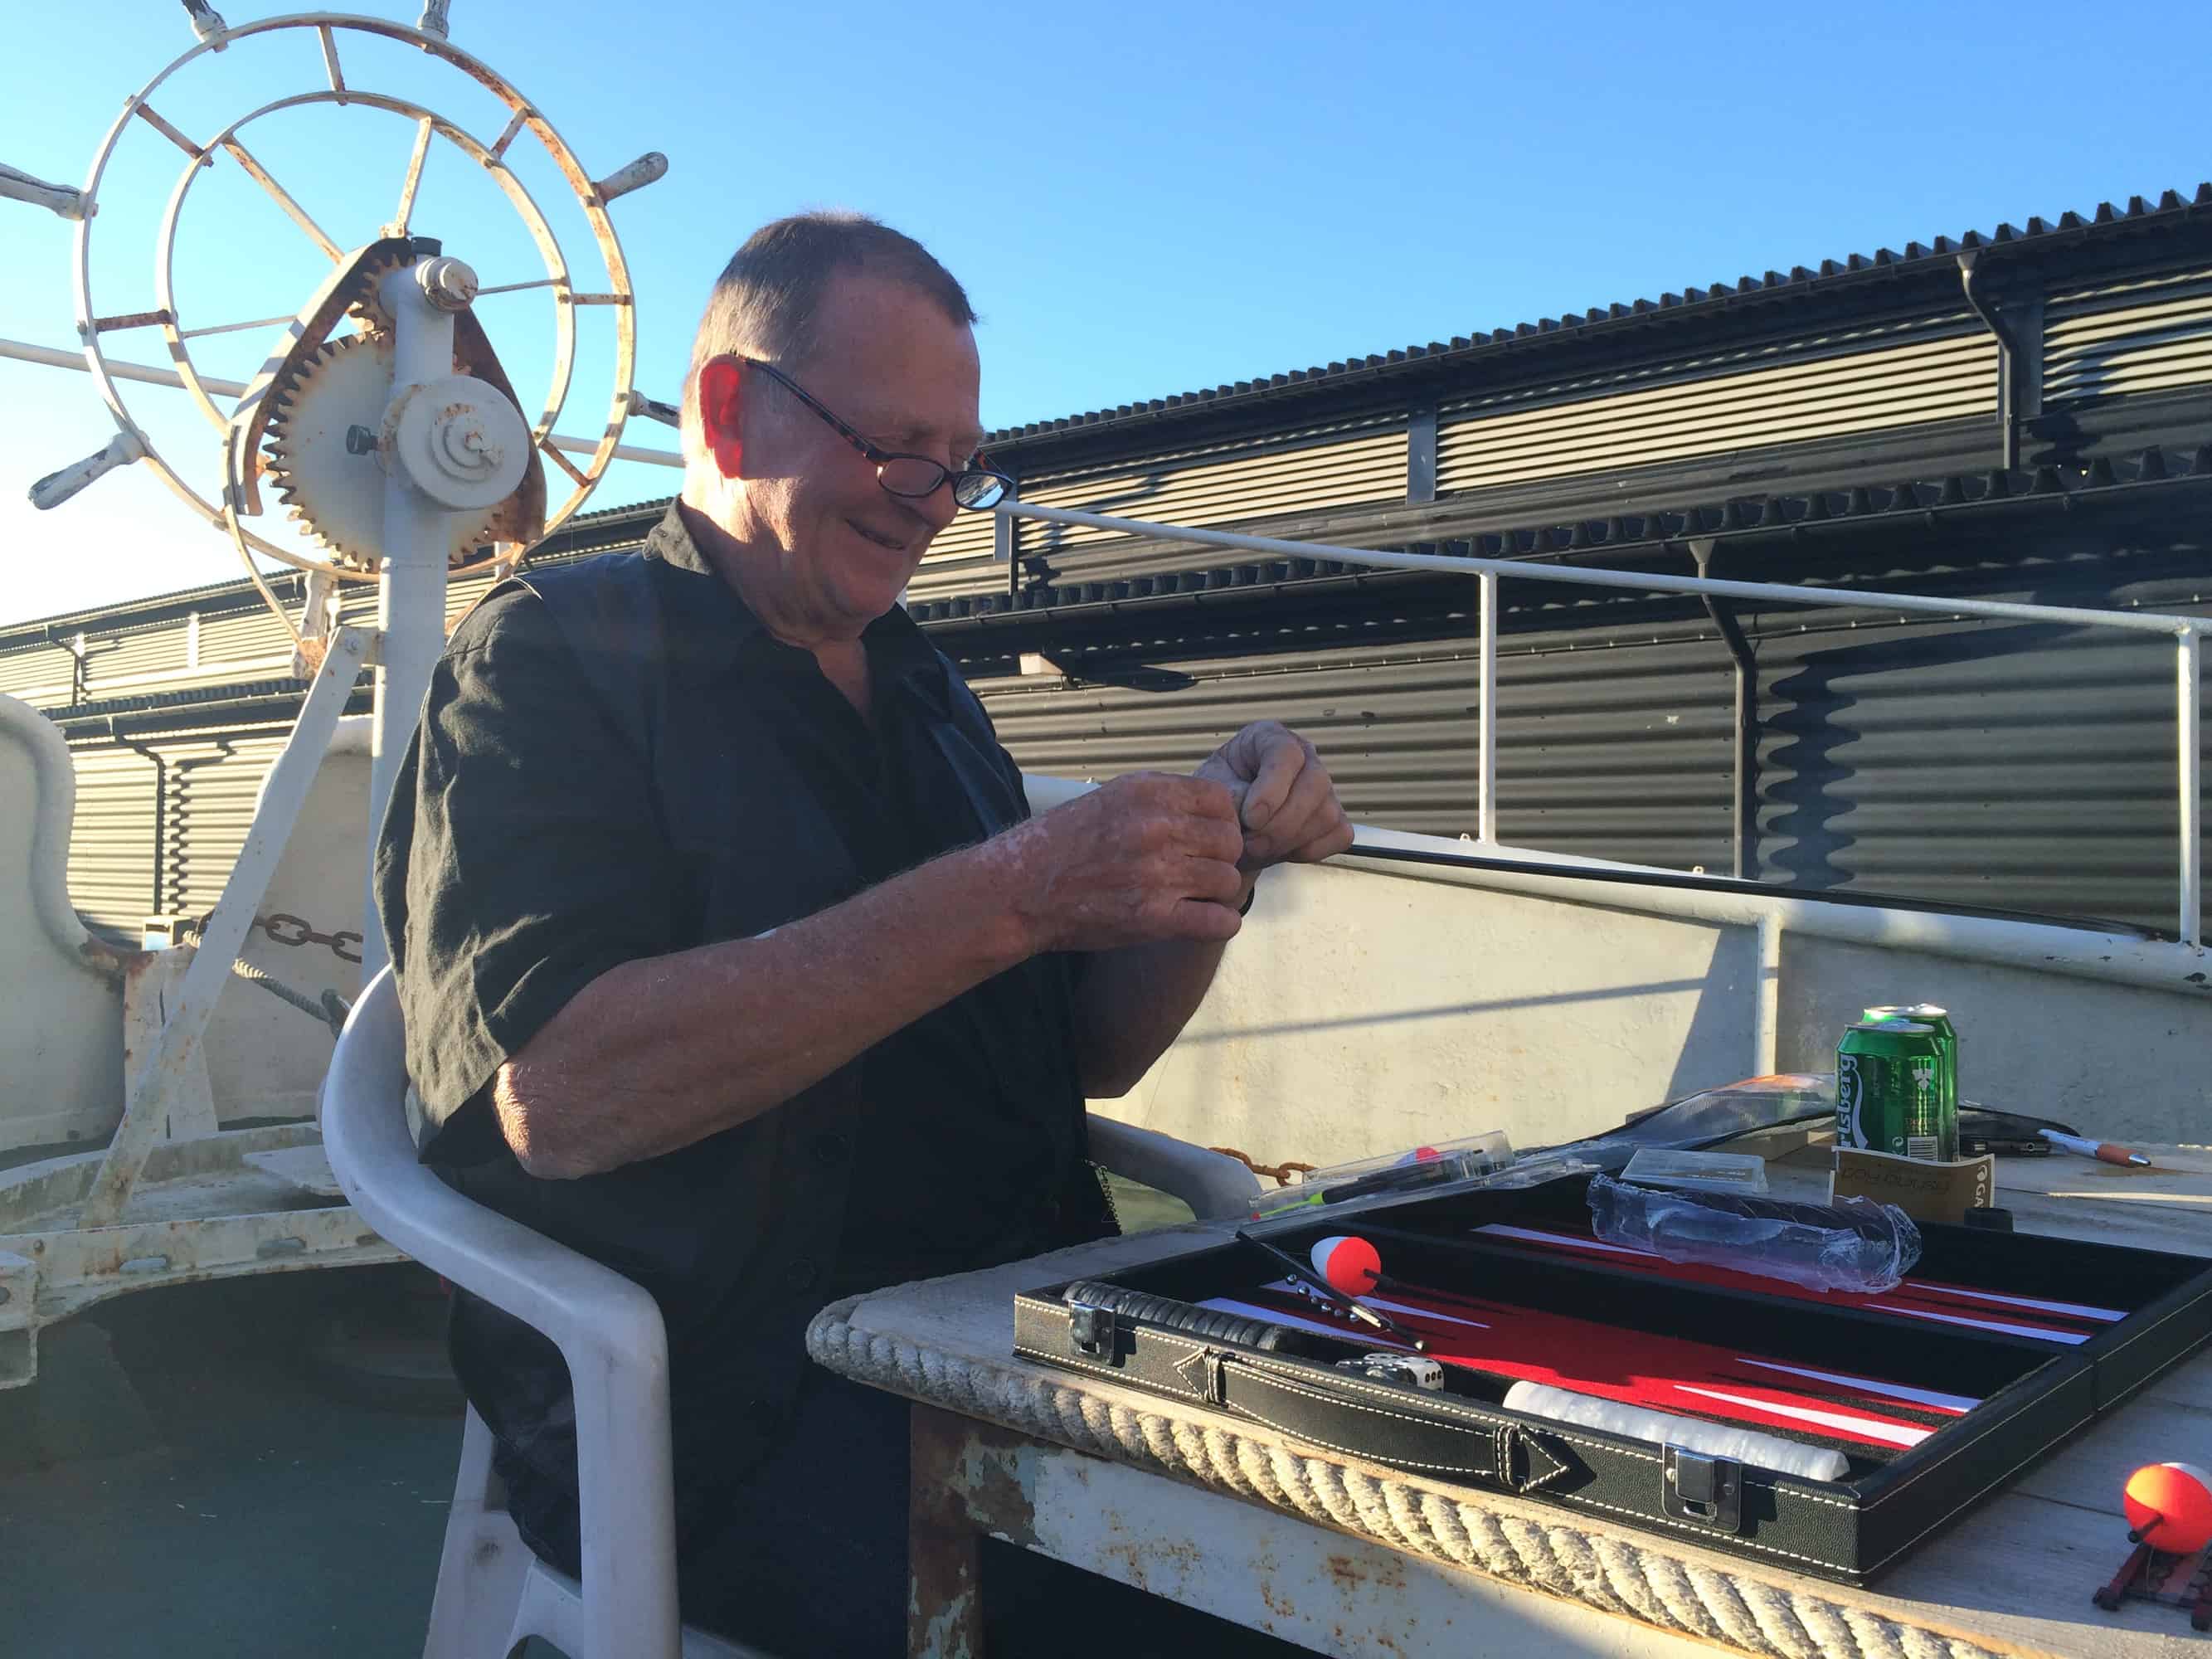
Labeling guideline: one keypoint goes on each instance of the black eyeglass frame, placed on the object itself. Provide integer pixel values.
(976, 481)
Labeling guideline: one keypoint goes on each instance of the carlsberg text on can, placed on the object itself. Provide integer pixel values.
(1889, 1090)
(1946, 1037)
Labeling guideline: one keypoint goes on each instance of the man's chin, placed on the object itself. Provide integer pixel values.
(867, 600)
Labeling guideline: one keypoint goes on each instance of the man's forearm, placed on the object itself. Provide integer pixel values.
(1132, 1003)
(654, 1055)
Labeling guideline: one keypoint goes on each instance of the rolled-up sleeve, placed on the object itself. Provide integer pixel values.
(521, 858)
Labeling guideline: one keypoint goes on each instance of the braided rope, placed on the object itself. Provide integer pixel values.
(1600, 1571)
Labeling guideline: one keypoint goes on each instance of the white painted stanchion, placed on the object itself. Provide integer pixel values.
(2188, 693)
(289, 780)
(1486, 769)
(450, 444)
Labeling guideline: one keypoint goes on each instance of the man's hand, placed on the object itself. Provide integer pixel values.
(1285, 801)
(1147, 857)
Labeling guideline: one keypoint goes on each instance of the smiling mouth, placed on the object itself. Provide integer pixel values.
(888, 544)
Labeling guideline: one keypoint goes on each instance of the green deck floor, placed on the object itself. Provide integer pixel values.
(264, 1512)
(182, 1481)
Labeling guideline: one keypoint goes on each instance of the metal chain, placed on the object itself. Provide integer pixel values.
(295, 931)
(289, 929)
(1278, 1173)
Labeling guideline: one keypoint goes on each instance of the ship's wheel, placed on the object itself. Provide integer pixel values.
(380, 417)
(305, 423)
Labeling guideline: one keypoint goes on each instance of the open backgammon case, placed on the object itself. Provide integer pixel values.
(1920, 1400)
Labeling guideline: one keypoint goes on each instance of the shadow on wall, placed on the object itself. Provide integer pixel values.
(1134, 677)
(1322, 1077)
(1717, 1048)
(1809, 710)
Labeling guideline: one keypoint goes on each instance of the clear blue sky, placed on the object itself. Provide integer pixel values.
(1142, 197)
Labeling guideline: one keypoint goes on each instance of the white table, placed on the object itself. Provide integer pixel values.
(1344, 1557)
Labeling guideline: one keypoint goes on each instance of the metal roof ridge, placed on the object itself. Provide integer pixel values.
(2069, 228)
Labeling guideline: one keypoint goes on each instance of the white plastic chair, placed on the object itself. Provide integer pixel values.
(492, 1591)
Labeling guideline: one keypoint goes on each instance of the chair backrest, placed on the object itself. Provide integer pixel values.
(365, 1116)
(608, 1331)
(61, 992)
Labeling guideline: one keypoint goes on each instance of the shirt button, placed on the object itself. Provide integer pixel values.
(802, 1274)
(831, 1150)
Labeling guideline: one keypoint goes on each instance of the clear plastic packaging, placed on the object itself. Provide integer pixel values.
(1394, 1174)
(1697, 1172)
(1714, 1117)
(1853, 1244)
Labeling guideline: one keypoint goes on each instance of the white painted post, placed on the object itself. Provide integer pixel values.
(148, 1096)
(410, 583)
(1766, 1009)
(148, 996)
(1485, 769)
(2189, 665)
(451, 444)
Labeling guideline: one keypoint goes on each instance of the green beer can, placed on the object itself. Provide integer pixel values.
(1889, 1091)
(1939, 1020)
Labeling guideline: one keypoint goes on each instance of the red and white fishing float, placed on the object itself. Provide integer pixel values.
(2169, 1507)
(2169, 1510)
(1348, 1264)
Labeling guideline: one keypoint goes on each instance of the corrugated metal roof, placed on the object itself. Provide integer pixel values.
(1926, 500)
(2097, 478)
(2140, 213)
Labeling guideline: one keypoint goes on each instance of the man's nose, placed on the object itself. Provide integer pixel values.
(938, 507)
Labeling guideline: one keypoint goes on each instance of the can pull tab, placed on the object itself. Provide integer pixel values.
(1706, 1492)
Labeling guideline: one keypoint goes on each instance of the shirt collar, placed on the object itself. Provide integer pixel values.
(713, 627)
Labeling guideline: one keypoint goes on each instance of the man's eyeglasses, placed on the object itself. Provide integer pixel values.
(910, 476)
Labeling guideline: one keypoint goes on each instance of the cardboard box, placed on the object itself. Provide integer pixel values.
(1924, 1191)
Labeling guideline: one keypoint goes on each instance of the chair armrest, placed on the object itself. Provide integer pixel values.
(1216, 1186)
(608, 1330)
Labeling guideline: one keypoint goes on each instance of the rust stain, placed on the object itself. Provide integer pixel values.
(112, 960)
(996, 1498)
(967, 1470)
(1143, 1557)
(1348, 1573)
(942, 1612)
(941, 1571)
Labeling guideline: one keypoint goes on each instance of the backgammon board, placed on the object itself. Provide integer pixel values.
(1909, 1406)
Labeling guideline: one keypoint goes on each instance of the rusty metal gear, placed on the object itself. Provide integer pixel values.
(367, 307)
(329, 479)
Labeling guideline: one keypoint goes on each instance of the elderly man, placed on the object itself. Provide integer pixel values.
(731, 957)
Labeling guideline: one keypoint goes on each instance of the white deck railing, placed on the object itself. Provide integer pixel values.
(2186, 632)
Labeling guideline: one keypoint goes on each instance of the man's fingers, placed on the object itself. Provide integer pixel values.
(1283, 757)
(1202, 919)
(1328, 842)
(1312, 800)
(1202, 797)
(1213, 879)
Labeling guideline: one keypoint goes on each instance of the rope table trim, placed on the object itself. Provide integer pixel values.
(1598, 1570)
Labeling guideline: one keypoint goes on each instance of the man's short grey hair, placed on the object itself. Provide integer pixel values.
(765, 302)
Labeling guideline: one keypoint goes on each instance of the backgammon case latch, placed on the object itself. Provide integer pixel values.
(1093, 1332)
(1705, 1490)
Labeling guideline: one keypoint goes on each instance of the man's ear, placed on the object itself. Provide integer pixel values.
(721, 413)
